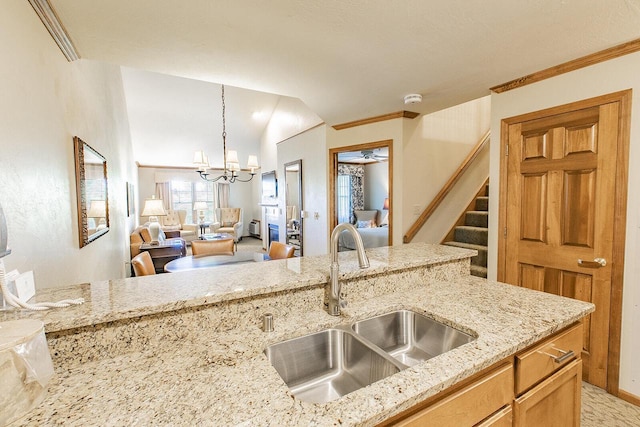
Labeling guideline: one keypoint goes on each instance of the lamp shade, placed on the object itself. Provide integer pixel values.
(200, 160)
(153, 207)
(232, 156)
(385, 205)
(253, 163)
(200, 206)
(97, 209)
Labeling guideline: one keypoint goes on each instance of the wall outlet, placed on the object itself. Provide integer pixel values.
(417, 210)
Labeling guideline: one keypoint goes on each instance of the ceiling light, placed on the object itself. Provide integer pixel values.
(231, 165)
(413, 98)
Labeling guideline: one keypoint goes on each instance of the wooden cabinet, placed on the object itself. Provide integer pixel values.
(502, 418)
(547, 357)
(553, 403)
(470, 405)
(540, 386)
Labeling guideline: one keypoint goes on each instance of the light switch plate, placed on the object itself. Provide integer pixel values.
(25, 286)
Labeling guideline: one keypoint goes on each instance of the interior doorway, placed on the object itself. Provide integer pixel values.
(367, 153)
(563, 193)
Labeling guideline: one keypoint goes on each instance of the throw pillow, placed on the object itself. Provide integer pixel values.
(227, 223)
(364, 224)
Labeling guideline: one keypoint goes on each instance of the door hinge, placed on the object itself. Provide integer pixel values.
(506, 149)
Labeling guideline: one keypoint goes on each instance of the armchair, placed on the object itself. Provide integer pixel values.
(229, 221)
(176, 221)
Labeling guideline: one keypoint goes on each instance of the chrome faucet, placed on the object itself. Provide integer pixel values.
(335, 288)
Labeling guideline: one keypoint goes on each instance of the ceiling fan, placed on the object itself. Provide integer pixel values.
(366, 155)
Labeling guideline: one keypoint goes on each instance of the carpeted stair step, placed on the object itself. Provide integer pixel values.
(480, 259)
(482, 203)
(478, 271)
(472, 235)
(477, 218)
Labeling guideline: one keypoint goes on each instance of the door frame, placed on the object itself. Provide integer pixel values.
(333, 178)
(620, 211)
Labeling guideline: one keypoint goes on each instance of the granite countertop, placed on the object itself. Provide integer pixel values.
(220, 375)
(224, 378)
(118, 299)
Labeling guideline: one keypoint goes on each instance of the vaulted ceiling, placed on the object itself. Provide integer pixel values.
(345, 59)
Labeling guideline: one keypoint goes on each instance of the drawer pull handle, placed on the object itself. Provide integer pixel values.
(564, 355)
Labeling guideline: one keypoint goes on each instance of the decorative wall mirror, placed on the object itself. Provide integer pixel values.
(91, 191)
(293, 202)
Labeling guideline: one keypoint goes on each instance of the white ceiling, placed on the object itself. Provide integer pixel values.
(346, 59)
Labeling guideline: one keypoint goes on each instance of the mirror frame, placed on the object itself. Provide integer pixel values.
(81, 148)
(300, 201)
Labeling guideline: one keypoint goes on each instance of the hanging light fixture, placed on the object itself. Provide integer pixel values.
(231, 165)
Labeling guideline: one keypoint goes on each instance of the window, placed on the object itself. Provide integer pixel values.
(344, 198)
(185, 193)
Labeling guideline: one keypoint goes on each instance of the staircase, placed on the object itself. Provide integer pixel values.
(474, 233)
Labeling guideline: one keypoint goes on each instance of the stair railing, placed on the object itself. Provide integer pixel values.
(446, 189)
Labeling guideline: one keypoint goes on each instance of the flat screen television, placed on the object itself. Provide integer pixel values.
(269, 186)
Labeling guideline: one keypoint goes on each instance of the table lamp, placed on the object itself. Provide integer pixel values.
(98, 209)
(153, 208)
(201, 207)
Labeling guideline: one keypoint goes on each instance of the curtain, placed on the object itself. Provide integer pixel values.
(163, 192)
(223, 195)
(356, 172)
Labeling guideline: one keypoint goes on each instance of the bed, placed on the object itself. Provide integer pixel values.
(371, 238)
(373, 230)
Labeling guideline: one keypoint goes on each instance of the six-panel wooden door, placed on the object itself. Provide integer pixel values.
(561, 173)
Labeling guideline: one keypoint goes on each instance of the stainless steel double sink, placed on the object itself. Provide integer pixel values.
(326, 365)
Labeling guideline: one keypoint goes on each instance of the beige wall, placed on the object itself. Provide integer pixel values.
(435, 146)
(386, 130)
(45, 102)
(611, 76)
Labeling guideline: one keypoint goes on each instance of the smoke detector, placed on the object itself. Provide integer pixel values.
(413, 98)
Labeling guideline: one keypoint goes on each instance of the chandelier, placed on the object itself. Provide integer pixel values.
(231, 164)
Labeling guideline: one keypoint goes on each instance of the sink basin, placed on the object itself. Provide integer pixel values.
(323, 366)
(410, 337)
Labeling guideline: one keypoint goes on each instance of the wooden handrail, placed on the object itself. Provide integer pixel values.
(429, 210)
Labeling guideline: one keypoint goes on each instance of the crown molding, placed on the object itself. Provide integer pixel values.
(585, 61)
(390, 116)
(51, 21)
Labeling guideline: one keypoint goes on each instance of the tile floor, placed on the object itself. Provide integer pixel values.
(600, 409)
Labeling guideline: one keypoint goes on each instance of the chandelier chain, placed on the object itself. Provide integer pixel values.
(224, 134)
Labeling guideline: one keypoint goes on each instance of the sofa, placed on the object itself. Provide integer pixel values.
(229, 221)
(175, 220)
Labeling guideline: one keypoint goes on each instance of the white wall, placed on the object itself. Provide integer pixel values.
(309, 146)
(45, 102)
(611, 76)
(435, 146)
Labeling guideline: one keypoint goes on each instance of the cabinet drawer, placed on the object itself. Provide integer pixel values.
(469, 405)
(502, 418)
(553, 403)
(537, 363)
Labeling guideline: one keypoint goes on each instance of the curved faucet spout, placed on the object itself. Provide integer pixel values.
(334, 285)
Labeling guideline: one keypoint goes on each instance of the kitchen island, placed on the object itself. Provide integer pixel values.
(187, 348)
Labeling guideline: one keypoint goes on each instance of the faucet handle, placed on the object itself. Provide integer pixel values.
(343, 303)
